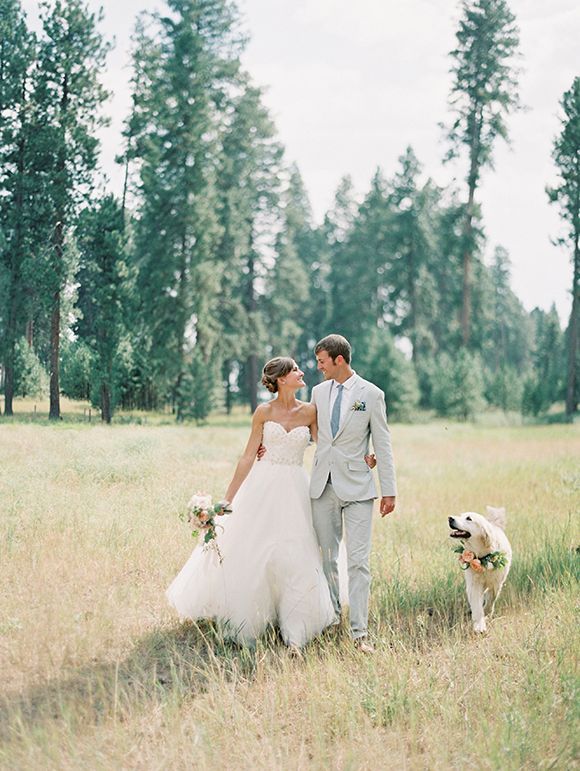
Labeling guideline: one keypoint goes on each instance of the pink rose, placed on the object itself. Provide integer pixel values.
(467, 557)
(476, 565)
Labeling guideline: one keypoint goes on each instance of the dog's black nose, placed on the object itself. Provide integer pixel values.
(450, 520)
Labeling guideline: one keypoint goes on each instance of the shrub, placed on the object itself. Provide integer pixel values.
(30, 377)
(457, 386)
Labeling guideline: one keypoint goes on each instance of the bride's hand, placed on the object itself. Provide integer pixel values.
(225, 507)
(371, 460)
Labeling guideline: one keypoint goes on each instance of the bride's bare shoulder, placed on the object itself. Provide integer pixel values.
(263, 412)
(308, 409)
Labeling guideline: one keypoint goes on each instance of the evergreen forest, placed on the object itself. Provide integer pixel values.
(172, 295)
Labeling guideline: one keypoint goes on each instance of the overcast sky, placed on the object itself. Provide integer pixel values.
(351, 84)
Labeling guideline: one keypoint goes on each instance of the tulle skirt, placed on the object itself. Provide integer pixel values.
(271, 571)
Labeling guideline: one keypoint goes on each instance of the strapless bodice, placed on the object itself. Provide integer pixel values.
(285, 447)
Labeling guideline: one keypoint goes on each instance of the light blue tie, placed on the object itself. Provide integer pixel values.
(335, 417)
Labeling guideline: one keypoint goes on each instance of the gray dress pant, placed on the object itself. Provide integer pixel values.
(329, 513)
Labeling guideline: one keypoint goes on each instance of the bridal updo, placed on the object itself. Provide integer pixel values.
(275, 368)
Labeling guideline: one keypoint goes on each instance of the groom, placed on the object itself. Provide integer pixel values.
(350, 412)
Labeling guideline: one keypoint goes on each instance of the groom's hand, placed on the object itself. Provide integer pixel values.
(371, 460)
(261, 452)
(387, 504)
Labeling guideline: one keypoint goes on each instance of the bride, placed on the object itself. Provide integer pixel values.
(271, 572)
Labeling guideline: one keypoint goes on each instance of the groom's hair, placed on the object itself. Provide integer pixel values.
(334, 345)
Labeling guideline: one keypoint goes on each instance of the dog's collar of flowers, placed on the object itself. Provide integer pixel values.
(495, 560)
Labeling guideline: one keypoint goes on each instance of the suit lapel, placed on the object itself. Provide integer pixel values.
(358, 389)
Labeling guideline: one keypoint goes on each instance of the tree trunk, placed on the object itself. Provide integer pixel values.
(9, 357)
(472, 179)
(181, 314)
(125, 188)
(16, 278)
(228, 389)
(252, 358)
(177, 401)
(467, 270)
(573, 341)
(9, 379)
(106, 412)
(253, 381)
(54, 412)
(413, 304)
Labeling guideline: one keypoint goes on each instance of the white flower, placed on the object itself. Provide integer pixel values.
(200, 500)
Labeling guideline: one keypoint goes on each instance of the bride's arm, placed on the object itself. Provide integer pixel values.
(247, 460)
(314, 423)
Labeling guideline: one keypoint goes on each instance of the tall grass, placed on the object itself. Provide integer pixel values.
(97, 672)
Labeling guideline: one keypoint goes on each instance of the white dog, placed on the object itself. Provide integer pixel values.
(485, 556)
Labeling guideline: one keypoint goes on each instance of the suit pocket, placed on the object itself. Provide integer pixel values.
(357, 465)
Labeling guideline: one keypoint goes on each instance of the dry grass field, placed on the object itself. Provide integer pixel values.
(97, 673)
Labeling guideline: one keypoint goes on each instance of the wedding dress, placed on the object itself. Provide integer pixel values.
(271, 571)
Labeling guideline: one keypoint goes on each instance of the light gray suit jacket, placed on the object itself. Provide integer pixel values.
(343, 456)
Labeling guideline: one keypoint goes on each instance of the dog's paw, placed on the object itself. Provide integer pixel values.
(480, 627)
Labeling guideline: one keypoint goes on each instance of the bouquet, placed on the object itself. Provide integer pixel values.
(201, 513)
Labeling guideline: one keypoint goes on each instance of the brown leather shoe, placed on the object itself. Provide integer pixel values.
(363, 645)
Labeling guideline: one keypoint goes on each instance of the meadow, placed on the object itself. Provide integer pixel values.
(97, 673)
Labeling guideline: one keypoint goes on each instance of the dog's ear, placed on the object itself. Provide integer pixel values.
(496, 515)
(486, 534)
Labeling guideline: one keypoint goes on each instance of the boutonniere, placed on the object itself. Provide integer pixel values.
(467, 559)
(359, 407)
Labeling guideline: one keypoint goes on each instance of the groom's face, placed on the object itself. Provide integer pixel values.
(326, 365)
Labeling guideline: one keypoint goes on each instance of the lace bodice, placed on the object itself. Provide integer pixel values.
(285, 447)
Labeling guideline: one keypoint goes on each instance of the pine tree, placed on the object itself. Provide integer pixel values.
(68, 100)
(388, 368)
(313, 253)
(335, 233)
(566, 194)
(17, 53)
(288, 293)
(502, 332)
(359, 269)
(457, 385)
(447, 274)
(483, 94)
(413, 243)
(191, 57)
(292, 308)
(339, 221)
(76, 369)
(544, 385)
(249, 187)
(104, 286)
(504, 389)
(509, 335)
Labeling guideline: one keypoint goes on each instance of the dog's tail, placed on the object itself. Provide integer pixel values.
(497, 516)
